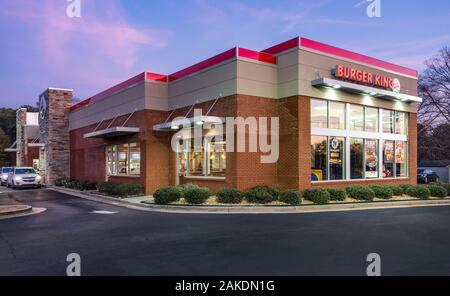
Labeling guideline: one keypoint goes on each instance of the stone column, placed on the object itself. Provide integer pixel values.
(54, 108)
(21, 121)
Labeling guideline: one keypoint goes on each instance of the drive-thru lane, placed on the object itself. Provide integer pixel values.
(119, 241)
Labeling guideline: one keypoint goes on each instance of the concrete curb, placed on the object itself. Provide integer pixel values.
(254, 209)
(14, 210)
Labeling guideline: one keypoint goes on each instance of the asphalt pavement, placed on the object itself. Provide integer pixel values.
(118, 241)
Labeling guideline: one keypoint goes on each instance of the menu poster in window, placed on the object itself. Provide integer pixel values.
(399, 152)
(335, 151)
(388, 152)
(371, 159)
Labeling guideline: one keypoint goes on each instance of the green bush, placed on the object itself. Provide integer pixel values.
(290, 197)
(167, 195)
(383, 192)
(419, 191)
(445, 185)
(438, 191)
(196, 195)
(62, 182)
(360, 193)
(337, 194)
(318, 196)
(406, 187)
(230, 196)
(121, 190)
(262, 195)
(397, 190)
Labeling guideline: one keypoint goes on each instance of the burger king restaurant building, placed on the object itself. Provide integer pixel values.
(344, 119)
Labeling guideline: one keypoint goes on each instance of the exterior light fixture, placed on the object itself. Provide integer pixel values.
(337, 86)
(200, 123)
(175, 127)
(404, 100)
(373, 93)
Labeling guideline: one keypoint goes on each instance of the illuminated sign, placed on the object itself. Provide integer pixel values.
(368, 78)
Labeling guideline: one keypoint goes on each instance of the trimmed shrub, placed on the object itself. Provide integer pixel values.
(419, 191)
(360, 193)
(406, 187)
(167, 195)
(61, 182)
(438, 191)
(383, 192)
(196, 195)
(318, 196)
(290, 197)
(230, 196)
(445, 185)
(262, 195)
(397, 190)
(122, 190)
(337, 194)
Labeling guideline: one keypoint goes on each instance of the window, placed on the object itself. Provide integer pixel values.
(373, 145)
(371, 158)
(319, 158)
(336, 156)
(388, 159)
(135, 159)
(356, 158)
(400, 158)
(194, 160)
(388, 121)
(217, 158)
(401, 123)
(319, 114)
(337, 115)
(371, 120)
(356, 118)
(123, 160)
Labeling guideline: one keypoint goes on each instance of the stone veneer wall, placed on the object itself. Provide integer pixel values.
(21, 120)
(54, 131)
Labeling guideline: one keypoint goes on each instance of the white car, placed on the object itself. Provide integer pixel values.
(4, 175)
(24, 177)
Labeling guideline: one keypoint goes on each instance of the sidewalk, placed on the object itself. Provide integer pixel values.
(136, 204)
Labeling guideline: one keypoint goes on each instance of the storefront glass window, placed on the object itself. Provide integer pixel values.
(371, 120)
(388, 121)
(318, 158)
(196, 159)
(135, 159)
(124, 159)
(319, 114)
(336, 156)
(401, 123)
(356, 118)
(388, 159)
(217, 158)
(400, 158)
(356, 158)
(337, 115)
(371, 158)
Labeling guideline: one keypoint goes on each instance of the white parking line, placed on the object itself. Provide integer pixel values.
(104, 212)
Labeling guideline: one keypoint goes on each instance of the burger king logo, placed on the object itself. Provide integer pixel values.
(396, 86)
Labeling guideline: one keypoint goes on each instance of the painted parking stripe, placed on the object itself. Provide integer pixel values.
(104, 212)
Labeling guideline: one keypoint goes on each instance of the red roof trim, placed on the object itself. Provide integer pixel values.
(229, 54)
(156, 77)
(325, 48)
(256, 55)
(282, 46)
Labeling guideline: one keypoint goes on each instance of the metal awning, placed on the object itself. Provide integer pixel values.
(112, 132)
(177, 124)
(12, 148)
(36, 145)
(363, 89)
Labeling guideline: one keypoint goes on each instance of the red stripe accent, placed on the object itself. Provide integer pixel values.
(282, 46)
(80, 105)
(203, 65)
(256, 55)
(156, 77)
(355, 57)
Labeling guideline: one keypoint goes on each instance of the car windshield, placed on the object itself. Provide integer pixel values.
(25, 171)
(6, 170)
(420, 171)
